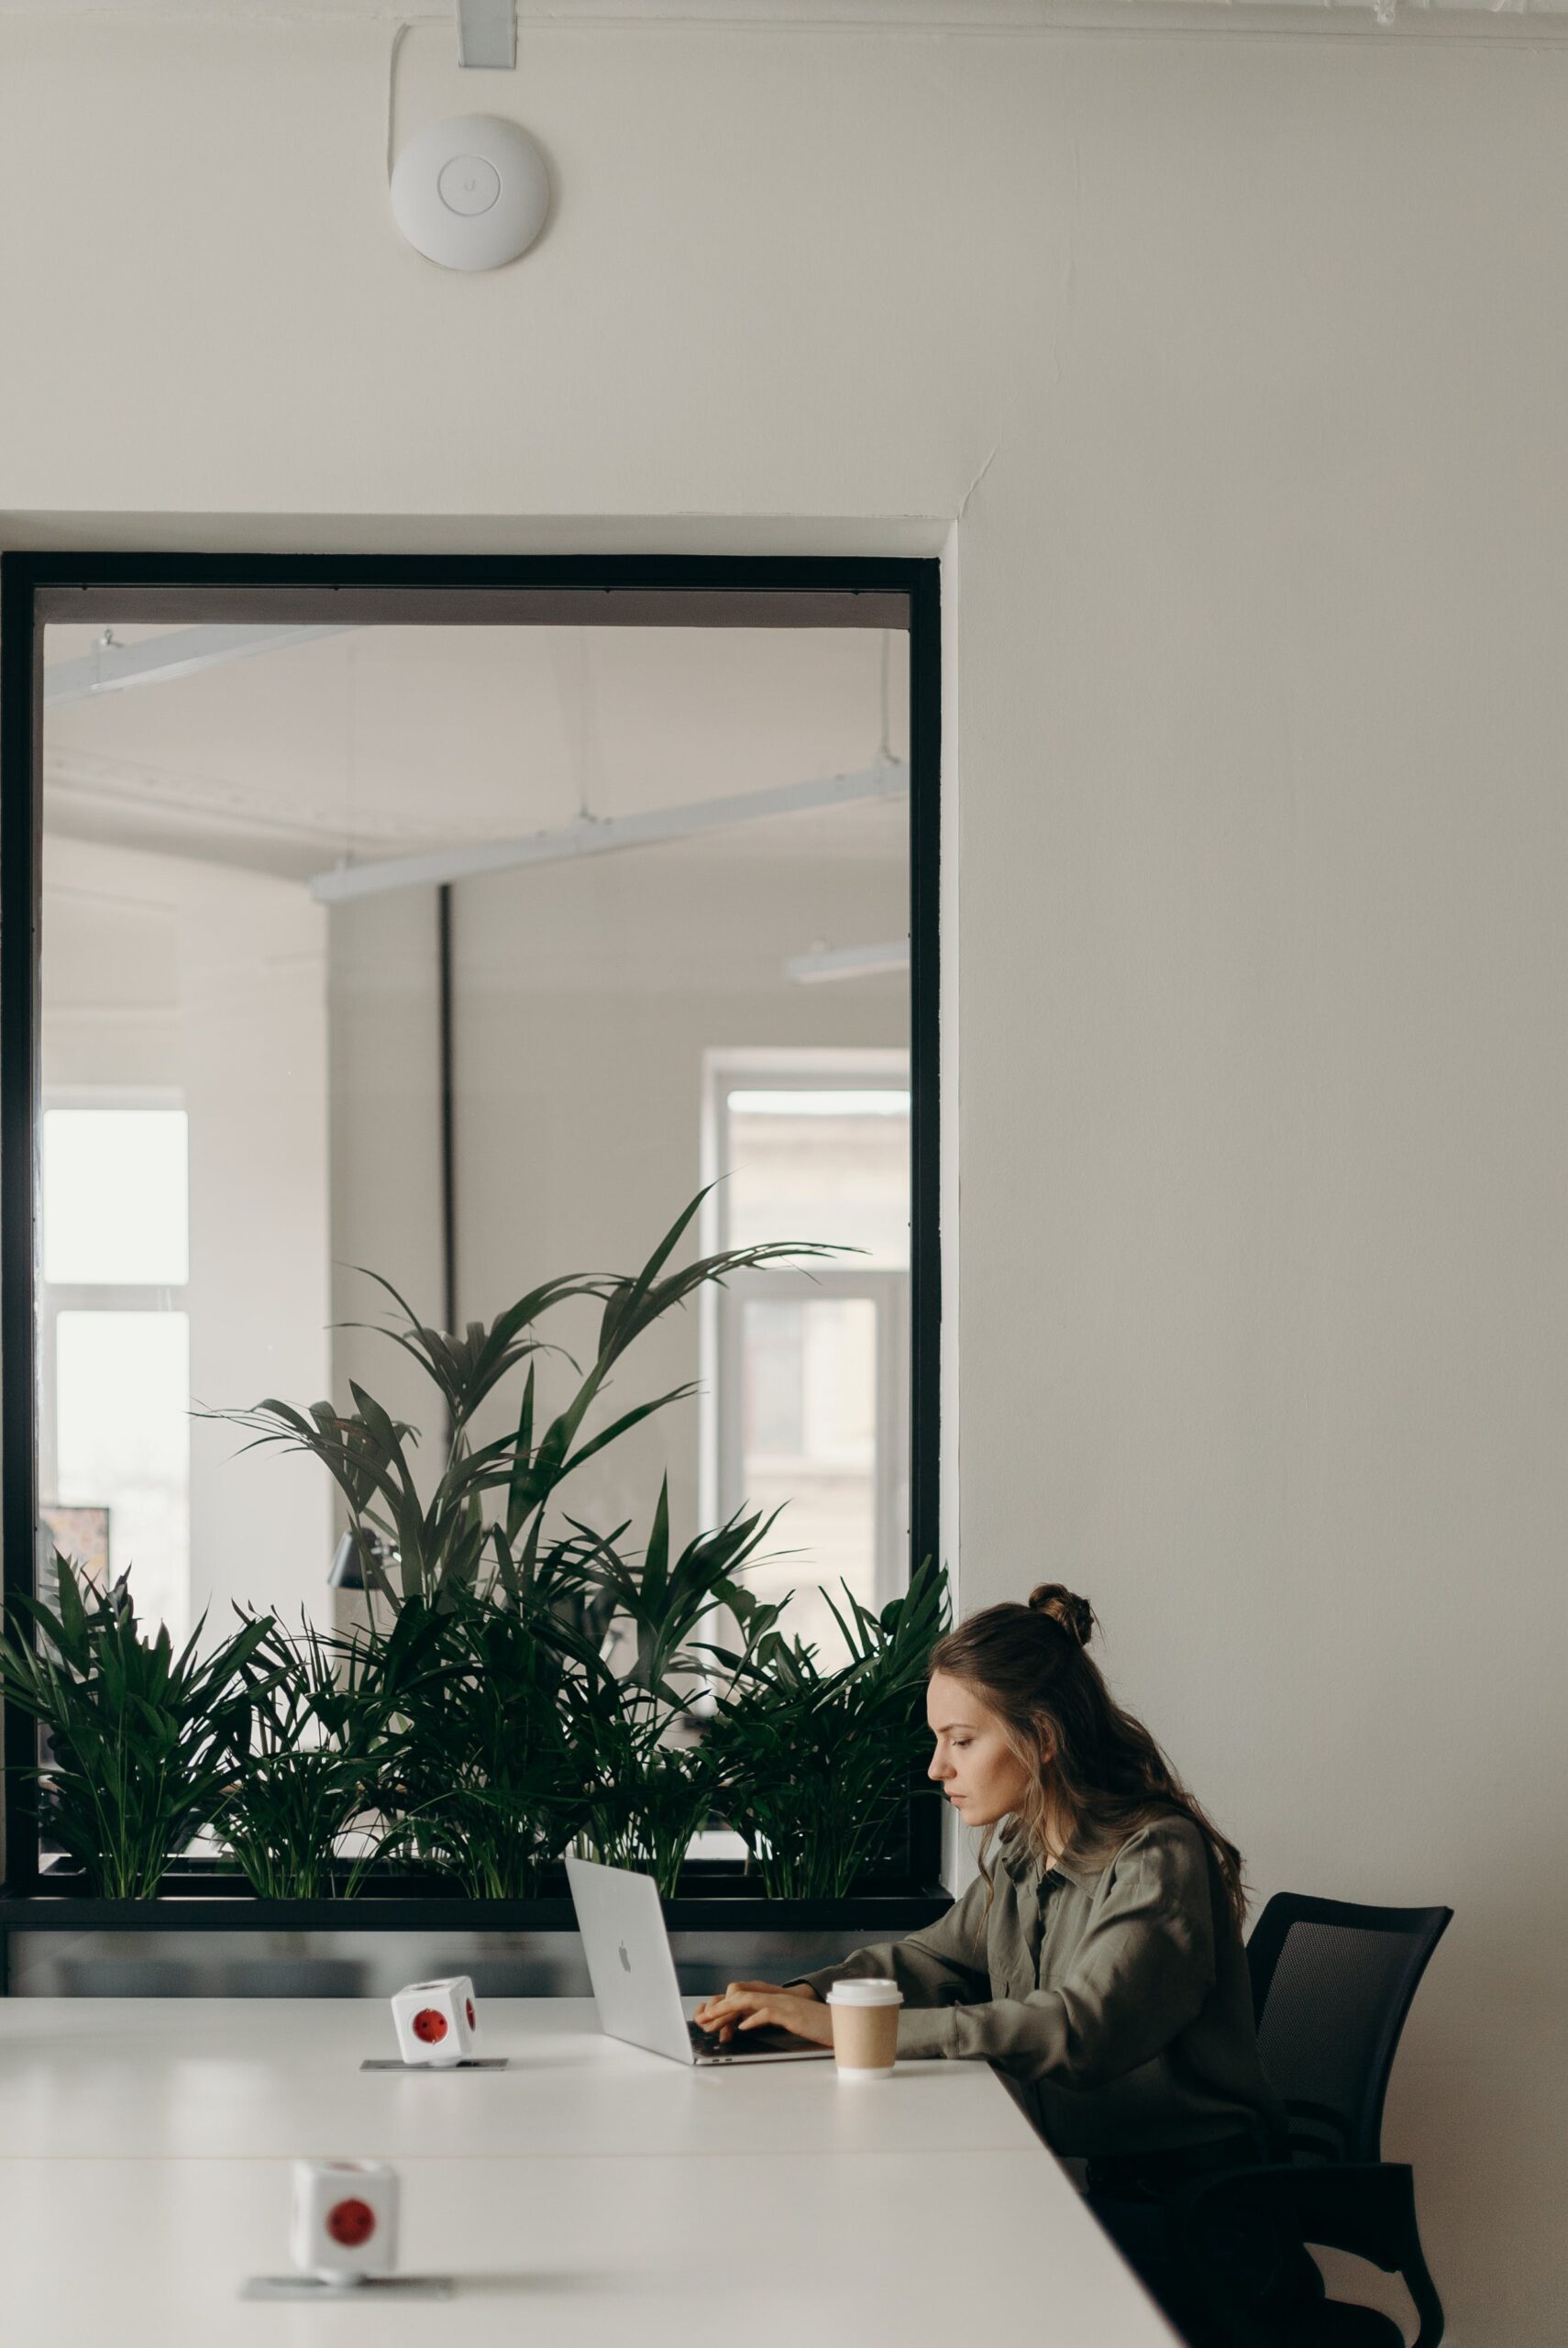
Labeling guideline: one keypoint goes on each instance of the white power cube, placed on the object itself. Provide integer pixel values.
(345, 2221)
(436, 2021)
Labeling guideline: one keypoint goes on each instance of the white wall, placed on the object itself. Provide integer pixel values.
(384, 1058)
(232, 1020)
(1229, 368)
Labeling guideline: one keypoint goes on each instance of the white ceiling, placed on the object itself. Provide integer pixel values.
(555, 12)
(950, 16)
(386, 740)
(951, 13)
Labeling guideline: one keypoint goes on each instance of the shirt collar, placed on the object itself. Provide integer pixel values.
(1081, 1866)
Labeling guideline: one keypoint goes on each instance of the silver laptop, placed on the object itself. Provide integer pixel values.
(633, 1973)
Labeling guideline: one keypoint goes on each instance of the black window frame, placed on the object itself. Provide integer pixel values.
(28, 578)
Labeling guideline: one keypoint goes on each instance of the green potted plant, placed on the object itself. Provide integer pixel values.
(518, 1736)
(458, 1538)
(317, 1734)
(787, 1729)
(651, 1779)
(482, 1781)
(520, 1688)
(143, 1740)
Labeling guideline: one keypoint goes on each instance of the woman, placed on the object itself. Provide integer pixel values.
(1098, 1960)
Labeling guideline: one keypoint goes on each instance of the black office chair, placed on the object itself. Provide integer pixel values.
(1331, 1986)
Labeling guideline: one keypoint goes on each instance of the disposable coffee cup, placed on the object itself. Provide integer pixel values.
(865, 2027)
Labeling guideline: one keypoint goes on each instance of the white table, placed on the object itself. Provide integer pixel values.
(588, 2194)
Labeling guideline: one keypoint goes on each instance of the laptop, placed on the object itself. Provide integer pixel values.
(633, 1973)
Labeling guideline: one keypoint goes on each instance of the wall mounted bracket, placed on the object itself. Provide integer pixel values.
(487, 34)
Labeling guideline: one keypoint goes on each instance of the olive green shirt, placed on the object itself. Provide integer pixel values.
(1113, 1989)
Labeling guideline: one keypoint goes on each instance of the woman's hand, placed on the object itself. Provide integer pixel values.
(747, 2005)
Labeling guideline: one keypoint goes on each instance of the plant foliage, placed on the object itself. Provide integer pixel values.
(521, 1686)
(487, 1784)
(814, 1766)
(143, 1740)
(317, 1734)
(649, 1785)
(455, 1539)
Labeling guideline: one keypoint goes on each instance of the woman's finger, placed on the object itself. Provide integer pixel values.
(722, 2013)
(809, 2021)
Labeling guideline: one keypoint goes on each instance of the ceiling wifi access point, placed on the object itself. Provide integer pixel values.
(472, 191)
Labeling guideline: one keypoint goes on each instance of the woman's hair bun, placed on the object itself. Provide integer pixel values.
(1075, 1615)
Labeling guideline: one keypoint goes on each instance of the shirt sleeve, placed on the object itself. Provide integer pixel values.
(944, 1961)
(1142, 1971)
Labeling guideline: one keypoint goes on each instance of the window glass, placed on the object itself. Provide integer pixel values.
(115, 1211)
(814, 1368)
(809, 1419)
(320, 892)
(122, 1401)
(832, 1165)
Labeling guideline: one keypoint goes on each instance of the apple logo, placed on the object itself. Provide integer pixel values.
(625, 1960)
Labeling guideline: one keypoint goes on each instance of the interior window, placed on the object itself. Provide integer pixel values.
(380, 946)
(114, 1431)
(810, 1367)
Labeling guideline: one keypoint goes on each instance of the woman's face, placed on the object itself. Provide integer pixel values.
(974, 1764)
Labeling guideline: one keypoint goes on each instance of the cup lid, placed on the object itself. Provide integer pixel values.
(866, 1993)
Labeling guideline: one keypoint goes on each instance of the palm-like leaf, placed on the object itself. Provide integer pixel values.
(443, 1543)
(528, 1679)
(666, 1604)
(468, 1369)
(786, 1727)
(320, 1718)
(143, 1739)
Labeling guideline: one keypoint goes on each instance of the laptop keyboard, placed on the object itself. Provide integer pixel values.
(766, 2040)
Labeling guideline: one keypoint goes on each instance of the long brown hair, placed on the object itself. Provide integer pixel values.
(1094, 1771)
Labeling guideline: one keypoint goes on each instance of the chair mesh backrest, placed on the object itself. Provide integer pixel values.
(1331, 1984)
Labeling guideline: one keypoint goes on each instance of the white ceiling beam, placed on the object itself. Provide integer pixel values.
(599, 835)
(111, 668)
(848, 962)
